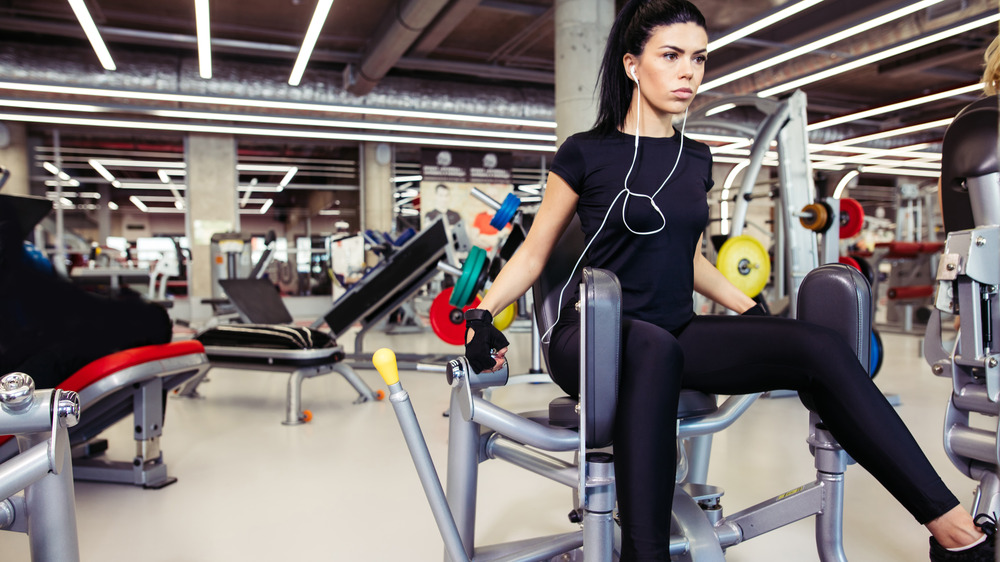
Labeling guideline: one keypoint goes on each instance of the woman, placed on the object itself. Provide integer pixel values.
(639, 188)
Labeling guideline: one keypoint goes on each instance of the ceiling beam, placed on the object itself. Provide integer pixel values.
(450, 18)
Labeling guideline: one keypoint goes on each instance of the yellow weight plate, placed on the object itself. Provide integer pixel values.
(506, 317)
(744, 261)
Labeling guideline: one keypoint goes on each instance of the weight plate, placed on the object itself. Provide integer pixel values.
(815, 217)
(744, 261)
(505, 212)
(443, 318)
(848, 260)
(506, 317)
(852, 218)
(875, 354)
(465, 287)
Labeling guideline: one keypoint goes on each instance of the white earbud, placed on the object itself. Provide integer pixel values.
(634, 77)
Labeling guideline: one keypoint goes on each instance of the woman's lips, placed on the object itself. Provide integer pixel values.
(683, 93)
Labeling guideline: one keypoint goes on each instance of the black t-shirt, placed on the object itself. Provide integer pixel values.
(655, 270)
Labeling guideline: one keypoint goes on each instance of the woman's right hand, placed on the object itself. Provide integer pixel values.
(485, 345)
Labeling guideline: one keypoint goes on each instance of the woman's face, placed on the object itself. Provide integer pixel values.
(671, 66)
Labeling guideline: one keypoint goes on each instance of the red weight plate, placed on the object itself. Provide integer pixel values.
(852, 218)
(848, 260)
(443, 318)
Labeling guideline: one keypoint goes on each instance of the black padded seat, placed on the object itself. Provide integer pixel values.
(564, 411)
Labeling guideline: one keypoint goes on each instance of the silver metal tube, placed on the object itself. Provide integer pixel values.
(973, 443)
(35, 418)
(24, 470)
(486, 199)
(974, 398)
(463, 469)
(51, 507)
(499, 447)
(540, 548)
(521, 430)
(830, 521)
(449, 269)
(425, 469)
(728, 412)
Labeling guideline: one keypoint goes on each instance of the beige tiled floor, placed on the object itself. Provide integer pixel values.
(343, 487)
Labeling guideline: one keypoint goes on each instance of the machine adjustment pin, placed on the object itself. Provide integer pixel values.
(69, 407)
(980, 241)
(937, 369)
(991, 362)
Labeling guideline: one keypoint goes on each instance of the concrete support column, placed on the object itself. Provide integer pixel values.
(212, 206)
(582, 28)
(14, 157)
(103, 215)
(376, 187)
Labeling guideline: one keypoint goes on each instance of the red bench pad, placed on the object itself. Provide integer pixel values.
(100, 368)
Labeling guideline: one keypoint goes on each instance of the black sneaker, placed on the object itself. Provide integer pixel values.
(982, 552)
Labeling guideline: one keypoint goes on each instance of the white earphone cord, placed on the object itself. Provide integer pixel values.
(546, 336)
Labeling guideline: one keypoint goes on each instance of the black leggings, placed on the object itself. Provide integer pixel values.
(740, 355)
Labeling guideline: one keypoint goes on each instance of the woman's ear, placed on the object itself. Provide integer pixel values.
(629, 62)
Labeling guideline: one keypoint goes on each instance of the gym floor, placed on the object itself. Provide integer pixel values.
(343, 487)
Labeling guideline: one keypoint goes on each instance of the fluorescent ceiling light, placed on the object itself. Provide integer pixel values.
(901, 172)
(96, 164)
(761, 24)
(267, 205)
(282, 133)
(288, 177)
(894, 107)
(112, 205)
(403, 179)
(818, 44)
(880, 55)
(274, 104)
(138, 203)
(312, 35)
(201, 17)
(722, 108)
(892, 133)
(94, 36)
(284, 120)
(843, 183)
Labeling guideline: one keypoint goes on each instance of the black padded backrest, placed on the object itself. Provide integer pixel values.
(257, 300)
(969, 149)
(839, 297)
(545, 291)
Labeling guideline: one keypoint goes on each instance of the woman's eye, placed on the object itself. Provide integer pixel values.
(701, 59)
(670, 56)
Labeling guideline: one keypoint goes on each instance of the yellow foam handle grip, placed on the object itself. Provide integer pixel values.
(385, 363)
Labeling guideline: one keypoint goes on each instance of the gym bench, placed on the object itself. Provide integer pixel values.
(135, 381)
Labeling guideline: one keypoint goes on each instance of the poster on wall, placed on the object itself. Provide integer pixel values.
(445, 191)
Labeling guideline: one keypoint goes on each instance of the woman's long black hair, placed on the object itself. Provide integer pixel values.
(632, 28)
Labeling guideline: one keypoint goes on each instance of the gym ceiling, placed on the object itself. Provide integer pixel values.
(450, 57)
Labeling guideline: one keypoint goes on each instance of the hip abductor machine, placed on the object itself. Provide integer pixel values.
(835, 296)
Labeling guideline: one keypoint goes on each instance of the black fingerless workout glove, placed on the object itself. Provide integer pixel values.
(755, 310)
(485, 341)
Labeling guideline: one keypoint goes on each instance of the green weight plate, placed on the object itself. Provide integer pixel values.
(465, 287)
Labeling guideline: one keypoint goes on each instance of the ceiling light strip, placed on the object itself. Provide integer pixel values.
(274, 104)
(892, 133)
(281, 133)
(880, 55)
(894, 107)
(93, 35)
(309, 42)
(203, 27)
(761, 24)
(817, 44)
